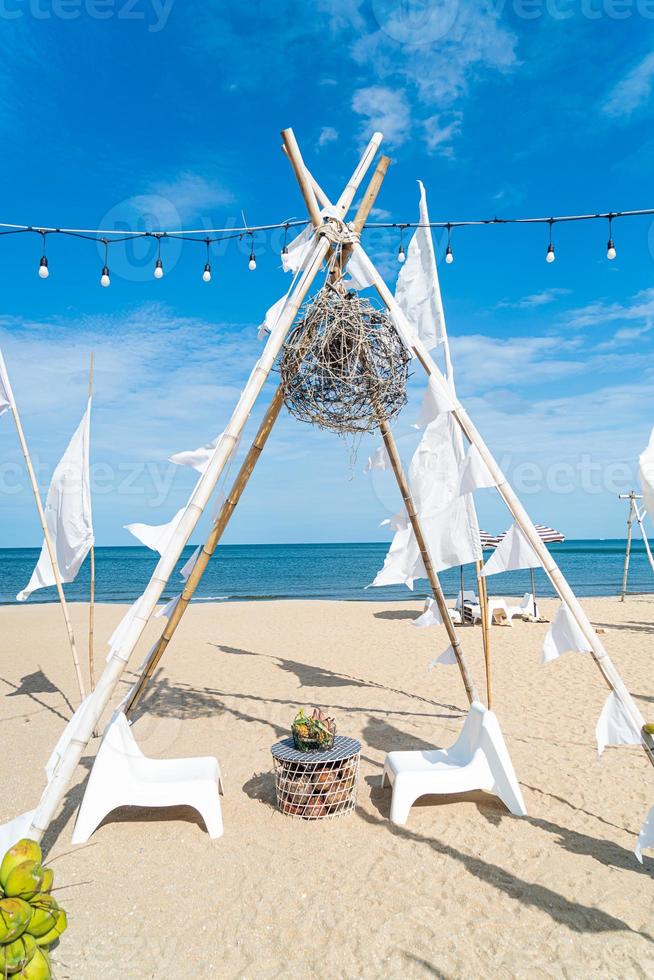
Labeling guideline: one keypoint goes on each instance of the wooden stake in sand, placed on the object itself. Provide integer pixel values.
(50, 547)
(632, 497)
(107, 682)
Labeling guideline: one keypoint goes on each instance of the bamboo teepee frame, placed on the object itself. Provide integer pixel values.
(319, 249)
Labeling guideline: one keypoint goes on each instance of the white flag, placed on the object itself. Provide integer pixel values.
(448, 658)
(646, 836)
(647, 476)
(166, 611)
(68, 514)
(157, 537)
(564, 635)
(198, 459)
(6, 394)
(614, 726)
(430, 617)
(513, 552)
(418, 291)
(378, 461)
(475, 474)
(435, 403)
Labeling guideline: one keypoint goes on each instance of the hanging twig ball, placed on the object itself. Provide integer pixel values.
(343, 365)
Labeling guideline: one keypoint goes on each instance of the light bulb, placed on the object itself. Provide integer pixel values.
(401, 257)
(252, 264)
(610, 250)
(104, 278)
(449, 255)
(550, 257)
(206, 275)
(158, 269)
(285, 250)
(44, 272)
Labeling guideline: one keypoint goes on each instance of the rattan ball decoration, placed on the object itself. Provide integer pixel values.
(343, 365)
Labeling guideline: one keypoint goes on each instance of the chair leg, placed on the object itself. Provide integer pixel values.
(383, 778)
(401, 803)
(211, 812)
(89, 819)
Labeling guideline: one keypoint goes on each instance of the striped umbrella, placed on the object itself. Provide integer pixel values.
(488, 540)
(548, 536)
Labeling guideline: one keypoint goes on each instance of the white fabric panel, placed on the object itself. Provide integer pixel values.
(646, 836)
(297, 250)
(614, 726)
(198, 459)
(272, 316)
(186, 570)
(475, 475)
(403, 562)
(167, 610)
(448, 658)
(157, 537)
(417, 291)
(563, 635)
(68, 513)
(435, 403)
(358, 273)
(69, 733)
(430, 617)
(513, 552)
(646, 468)
(6, 394)
(378, 461)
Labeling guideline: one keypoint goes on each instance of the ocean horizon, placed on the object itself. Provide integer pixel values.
(238, 572)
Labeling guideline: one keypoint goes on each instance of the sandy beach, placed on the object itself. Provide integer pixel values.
(464, 890)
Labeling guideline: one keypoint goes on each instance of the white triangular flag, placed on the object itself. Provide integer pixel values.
(359, 274)
(475, 475)
(646, 469)
(436, 401)
(513, 552)
(564, 635)
(448, 658)
(378, 461)
(6, 394)
(646, 836)
(403, 563)
(198, 459)
(68, 514)
(186, 569)
(430, 617)
(272, 315)
(157, 537)
(297, 250)
(167, 610)
(614, 725)
(417, 291)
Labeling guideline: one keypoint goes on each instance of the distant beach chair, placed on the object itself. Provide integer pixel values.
(469, 595)
(526, 607)
(478, 760)
(123, 776)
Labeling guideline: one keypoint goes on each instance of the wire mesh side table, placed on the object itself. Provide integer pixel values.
(316, 785)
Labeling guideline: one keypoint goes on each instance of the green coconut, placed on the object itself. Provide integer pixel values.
(45, 910)
(14, 956)
(48, 879)
(24, 850)
(51, 937)
(15, 916)
(25, 880)
(38, 967)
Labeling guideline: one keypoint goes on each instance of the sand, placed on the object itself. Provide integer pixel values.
(464, 890)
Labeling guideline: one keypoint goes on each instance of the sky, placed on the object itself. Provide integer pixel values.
(158, 114)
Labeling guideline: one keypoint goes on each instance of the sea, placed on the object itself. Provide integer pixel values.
(320, 571)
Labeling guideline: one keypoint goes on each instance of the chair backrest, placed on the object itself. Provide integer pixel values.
(470, 737)
(527, 602)
(469, 595)
(118, 737)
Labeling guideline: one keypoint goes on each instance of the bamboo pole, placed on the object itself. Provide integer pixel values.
(483, 605)
(50, 549)
(216, 533)
(56, 788)
(92, 586)
(608, 670)
(396, 463)
(238, 488)
(630, 521)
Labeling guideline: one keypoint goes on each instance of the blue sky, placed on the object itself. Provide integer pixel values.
(116, 114)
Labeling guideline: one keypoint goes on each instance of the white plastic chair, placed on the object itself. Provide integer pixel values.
(123, 776)
(478, 760)
(469, 595)
(496, 606)
(526, 607)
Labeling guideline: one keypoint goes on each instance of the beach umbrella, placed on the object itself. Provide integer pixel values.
(548, 536)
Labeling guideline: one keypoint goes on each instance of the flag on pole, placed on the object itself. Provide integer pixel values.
(6, 394)
(68, 514)
(646, 467)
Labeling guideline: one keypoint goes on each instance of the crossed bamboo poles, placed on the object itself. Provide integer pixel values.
(145, 606)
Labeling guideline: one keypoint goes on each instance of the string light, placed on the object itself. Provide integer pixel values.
(104, 278)
(449, 254)
(206, 275)
(158, 266)
(252, 263)
(44, 271)
(610, 247)
(401, 256)
(285, 245)
(551, 254)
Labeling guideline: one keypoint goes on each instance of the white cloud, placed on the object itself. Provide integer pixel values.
(640, 307)
(191, 194)
(383, 109)
(327, 135)
(534, 300)
(632, 91)
(439, 132)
